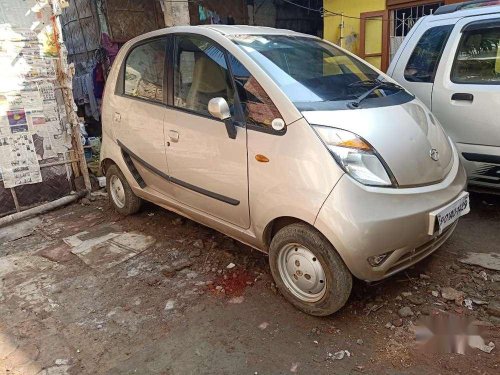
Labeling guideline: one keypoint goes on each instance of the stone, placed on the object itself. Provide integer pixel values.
(198, 244)
(237, 300)
(230, 266)
(451, 294)
(494, 286)
(192, 275)
(416, 300)
(398, 322)
(177, 221)
(426, 310)
(85, 201)
(494, 308)
(195, 253)
(478, 301)
(170, 305)
(486, 260)
(423, 276)
(263, 325)
(359, 341)
(406, 294)
(176, 266)
(435, 293)
(405, 312)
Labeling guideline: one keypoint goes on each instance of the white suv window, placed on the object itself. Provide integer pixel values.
(424, 60)
(478, 57)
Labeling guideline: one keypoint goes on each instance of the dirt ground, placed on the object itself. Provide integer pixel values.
(86, 291)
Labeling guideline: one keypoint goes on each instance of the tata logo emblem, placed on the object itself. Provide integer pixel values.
(434, 154)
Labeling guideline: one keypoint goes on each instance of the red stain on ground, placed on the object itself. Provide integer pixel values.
(235, 283)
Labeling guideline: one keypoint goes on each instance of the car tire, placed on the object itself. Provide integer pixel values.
(302, 259)
(121, 196)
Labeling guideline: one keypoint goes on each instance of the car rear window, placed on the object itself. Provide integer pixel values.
(424, 60)
(478, 57)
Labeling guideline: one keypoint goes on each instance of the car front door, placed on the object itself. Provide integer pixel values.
(466, 95)
(140, 111)
(416, 68)
(207, 167)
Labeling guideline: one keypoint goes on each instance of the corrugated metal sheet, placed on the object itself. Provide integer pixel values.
(130, 18)
(81, 30)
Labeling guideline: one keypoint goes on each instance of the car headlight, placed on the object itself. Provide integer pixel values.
(355, 156)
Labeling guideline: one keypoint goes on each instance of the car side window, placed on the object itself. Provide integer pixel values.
(478, 57)
(258, 108)
(424, 60)
(144, 70)
(200, 74)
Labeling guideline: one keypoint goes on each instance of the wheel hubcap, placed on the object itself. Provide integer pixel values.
(117, 191)
(302, 272)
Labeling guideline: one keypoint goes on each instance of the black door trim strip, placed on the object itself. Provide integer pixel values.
(483, 158)
(176, 181)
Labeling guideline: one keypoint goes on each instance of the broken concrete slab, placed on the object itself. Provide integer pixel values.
(104, 249)
(490, 261)
(19, 230)
(59, 254)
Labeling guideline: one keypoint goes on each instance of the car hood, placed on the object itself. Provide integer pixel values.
(404, 135)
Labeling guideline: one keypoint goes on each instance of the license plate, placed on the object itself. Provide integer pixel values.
(447, 215)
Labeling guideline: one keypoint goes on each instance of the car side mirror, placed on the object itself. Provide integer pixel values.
(219, 109)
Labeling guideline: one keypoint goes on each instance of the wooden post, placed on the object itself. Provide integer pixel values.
(16, 202)
(64, 77)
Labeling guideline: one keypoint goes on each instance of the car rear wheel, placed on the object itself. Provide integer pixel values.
(308, 271)
(120, 193)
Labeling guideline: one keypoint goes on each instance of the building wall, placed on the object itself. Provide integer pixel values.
(35, 141)
(351, 26)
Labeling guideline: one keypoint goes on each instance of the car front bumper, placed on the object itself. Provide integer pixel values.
(362, 222)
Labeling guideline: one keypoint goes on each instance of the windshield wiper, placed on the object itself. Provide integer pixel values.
(374, 82)
(377, 85)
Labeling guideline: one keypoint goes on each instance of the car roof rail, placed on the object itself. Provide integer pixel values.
(445, 9)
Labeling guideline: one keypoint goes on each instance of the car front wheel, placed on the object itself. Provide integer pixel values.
(308, 271)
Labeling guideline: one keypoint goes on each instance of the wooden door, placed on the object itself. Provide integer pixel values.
(374, 36)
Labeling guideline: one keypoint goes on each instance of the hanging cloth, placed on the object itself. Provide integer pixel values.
(201, 13)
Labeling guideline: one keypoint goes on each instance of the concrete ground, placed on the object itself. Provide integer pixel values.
(86, 291)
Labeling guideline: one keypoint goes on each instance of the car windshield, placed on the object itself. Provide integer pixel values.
(309, 70)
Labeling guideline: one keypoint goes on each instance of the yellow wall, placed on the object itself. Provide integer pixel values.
(351, 26)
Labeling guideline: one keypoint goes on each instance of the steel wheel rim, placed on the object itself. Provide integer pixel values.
(301, 272)
(117, 191)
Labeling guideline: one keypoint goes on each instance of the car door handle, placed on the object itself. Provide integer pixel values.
(463, 96)
(174, 136)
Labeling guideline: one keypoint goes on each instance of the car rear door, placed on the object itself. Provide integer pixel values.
(207, 168)
(466, 95)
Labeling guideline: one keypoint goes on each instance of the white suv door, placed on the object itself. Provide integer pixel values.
(414, 65)
(466, 95)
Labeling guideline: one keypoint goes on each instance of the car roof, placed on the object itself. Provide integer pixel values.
(449, 11)
(225, 30)
(251, 30)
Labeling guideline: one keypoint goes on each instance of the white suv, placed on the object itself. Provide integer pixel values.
(451, 61)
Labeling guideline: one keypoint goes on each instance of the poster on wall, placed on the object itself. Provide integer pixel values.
(18, 160)
(30, 124)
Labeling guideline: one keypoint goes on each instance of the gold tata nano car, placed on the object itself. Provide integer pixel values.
(286, 143)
